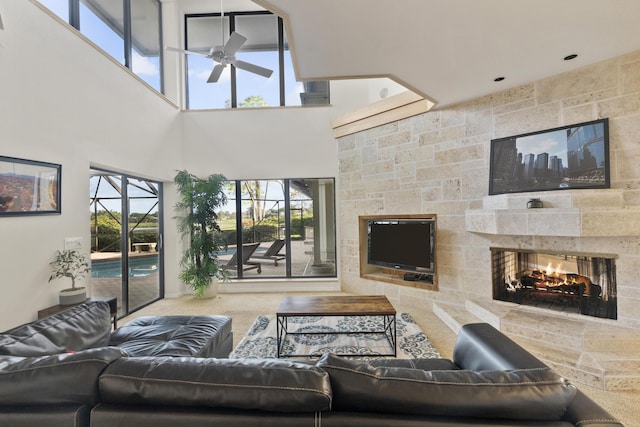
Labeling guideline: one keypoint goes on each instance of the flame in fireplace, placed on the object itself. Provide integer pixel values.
(550, 271)
(572, 283)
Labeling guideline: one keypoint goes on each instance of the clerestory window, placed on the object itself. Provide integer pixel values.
(266, 46)
(127, 30)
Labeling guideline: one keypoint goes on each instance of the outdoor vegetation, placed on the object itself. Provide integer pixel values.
(106, 226)
(263, 219)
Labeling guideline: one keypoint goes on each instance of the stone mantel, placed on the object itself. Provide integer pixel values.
(577, 213)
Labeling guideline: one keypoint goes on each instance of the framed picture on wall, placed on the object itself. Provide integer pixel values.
(564, 158)
(28, 187)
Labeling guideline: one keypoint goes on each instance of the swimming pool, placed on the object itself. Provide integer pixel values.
(138, 267)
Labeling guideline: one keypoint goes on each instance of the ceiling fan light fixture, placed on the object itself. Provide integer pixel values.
(226, 55)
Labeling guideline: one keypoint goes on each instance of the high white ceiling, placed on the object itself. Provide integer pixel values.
(447, 50)
(452, 50)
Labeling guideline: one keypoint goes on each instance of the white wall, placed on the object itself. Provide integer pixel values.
(62, 101)
(353, 94)
(260, 143)
(57, 109)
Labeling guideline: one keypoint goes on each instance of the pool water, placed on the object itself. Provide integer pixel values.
(138, 267)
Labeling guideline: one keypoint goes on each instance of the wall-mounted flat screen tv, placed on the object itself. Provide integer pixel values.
(565, 158)
(402, 244)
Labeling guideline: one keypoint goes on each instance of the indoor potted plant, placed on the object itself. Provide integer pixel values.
(70, 263)
(198, 223)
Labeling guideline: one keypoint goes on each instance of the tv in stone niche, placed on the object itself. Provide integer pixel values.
(402, 244)
(565, 158)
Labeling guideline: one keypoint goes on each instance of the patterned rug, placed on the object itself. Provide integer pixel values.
(260, 340)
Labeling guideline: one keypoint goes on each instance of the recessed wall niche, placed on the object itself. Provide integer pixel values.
(399, 249)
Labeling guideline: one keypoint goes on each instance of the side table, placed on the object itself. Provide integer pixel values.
(112, 301)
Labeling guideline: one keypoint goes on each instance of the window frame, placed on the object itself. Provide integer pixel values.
(231, 16)
(127, 35)
(238, 199)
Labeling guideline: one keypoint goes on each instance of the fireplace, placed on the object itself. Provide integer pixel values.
(571, 283)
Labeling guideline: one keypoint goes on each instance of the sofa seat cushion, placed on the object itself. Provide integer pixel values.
(261, 384)
(527, 394)
(59, 379)
(78, 328)
(178, 336)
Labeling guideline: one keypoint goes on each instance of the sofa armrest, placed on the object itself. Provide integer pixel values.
(78, 328)
(584, 412)
(481, 347)
(54, 380)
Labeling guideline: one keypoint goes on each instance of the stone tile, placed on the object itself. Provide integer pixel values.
(512, 222)
(480, 221)
(616, 222)
(533, 119)
(630, 77)
(601, 76)
(621, 106)
(553, 222)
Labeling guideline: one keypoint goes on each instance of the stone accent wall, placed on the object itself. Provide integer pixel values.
(438, 162)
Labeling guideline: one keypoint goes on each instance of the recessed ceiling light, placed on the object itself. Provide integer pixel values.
(570, 57)
(498, 79)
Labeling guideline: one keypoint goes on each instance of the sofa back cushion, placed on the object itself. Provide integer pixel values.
(262, 384)
(78, 328)
(528, 394)
(54, 380)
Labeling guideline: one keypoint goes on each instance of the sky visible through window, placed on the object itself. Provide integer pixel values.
(202, 95)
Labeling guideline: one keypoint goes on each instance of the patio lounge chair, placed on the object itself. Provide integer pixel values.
(247, 251)
(272, 252)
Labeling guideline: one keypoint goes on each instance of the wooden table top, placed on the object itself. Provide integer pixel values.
(339, 305)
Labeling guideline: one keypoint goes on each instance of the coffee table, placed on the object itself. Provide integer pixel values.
(341, 305)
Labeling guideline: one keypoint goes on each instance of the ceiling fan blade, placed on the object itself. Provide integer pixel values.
(215, 73)
(234, 43)
(252, 68)
(190, 52)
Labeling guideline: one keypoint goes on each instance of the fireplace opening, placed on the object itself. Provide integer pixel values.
(571, 283)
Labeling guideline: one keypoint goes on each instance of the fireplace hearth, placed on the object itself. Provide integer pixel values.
(572, 283)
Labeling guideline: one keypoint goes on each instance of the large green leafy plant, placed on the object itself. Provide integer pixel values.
(199, 199)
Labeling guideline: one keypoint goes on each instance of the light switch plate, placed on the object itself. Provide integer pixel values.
(71, 243)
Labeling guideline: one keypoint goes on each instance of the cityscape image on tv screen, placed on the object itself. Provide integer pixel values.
(571, 157)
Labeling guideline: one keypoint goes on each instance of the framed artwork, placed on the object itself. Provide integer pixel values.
(28, 187)
(565, 158)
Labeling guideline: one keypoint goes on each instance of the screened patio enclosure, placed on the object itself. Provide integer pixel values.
(285, 228)
(126, 239)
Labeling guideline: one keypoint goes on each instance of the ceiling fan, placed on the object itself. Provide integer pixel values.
(226, 54)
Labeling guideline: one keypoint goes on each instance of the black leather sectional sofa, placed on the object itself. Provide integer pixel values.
(172, 371)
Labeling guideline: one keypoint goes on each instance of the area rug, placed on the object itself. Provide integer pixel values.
(260, 340)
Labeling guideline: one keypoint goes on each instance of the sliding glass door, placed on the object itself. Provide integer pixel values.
(126, 239)
(143, 227)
